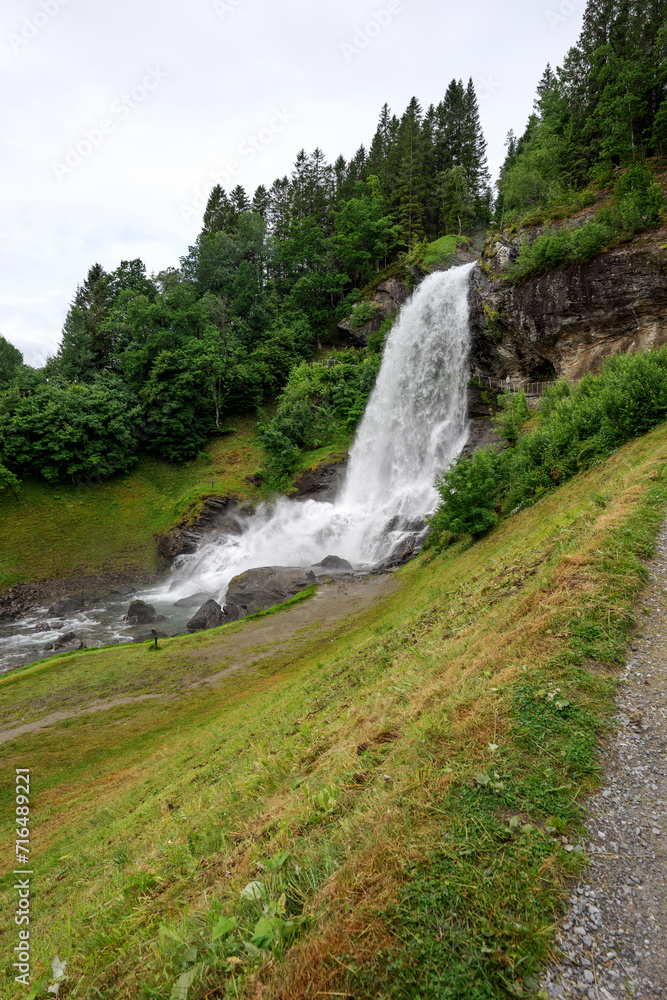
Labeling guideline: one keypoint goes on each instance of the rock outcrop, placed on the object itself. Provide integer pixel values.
(210, 615)
(335, 563)
(69, 642)
(564, 323)
(387, 299)
(259, 589)
(220, 515)
(321, 483)
(193, 601)
(140, 613)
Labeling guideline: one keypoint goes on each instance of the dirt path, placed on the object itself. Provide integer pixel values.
(613, 942)
(292, 630)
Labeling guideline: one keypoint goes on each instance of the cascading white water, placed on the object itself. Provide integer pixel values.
(414, 425)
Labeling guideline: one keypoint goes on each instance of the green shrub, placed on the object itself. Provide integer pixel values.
(69, 431)
(639, 207)
(317, 404)
(512, 415)
(364, 312)
(576, 428)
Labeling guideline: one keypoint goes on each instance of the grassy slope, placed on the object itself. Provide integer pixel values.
(69, 530)
(63, 531)
(358, 757)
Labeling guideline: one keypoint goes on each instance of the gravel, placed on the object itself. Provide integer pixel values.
(613, 940)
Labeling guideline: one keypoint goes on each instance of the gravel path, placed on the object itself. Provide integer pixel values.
(613, 941)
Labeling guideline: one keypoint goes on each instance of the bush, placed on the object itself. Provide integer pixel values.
(69, 431)
(639, 207)
(469, 492)
(364, 312)
(576, 429)
(512, 415)
(317, 404)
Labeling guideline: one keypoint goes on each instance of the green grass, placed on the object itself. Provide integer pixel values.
(399, 780)
(62, 531)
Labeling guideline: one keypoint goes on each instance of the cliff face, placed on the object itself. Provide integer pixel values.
(564, 323)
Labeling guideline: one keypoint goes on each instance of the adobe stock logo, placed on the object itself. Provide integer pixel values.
(565, 10)
(31, 26)
(364, 35)
(121, 109)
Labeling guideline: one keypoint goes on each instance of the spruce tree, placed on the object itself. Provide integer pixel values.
(84, 347)
(218, 211)
(411, 180)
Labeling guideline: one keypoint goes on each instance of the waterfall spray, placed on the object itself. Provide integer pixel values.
(414, 425)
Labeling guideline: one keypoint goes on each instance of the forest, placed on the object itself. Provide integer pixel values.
(155, 363)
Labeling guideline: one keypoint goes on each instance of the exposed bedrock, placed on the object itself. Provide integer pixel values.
(219, 515)
(566, 322)
(321, 483)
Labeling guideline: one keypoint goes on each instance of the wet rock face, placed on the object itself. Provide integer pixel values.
(321, 484)
(220, 515)
(259, 589)
(568, 321)
(210, 615)
(67, 643)
(69, 605)
(194, 601)
(387, 299)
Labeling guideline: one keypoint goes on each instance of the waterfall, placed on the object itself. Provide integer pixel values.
(414, 425)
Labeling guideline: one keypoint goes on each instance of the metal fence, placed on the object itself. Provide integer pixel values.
(517, 385)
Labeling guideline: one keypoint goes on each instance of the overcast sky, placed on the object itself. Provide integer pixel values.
(116, 114)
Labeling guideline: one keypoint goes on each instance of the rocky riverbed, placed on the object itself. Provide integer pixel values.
(613, 941)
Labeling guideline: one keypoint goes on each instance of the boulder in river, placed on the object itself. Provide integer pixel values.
(259, 589)
(140, 613)
(122, 591)
(66, 606)
(335, 563)
(66, 643)
(193, 601)
(210, 615)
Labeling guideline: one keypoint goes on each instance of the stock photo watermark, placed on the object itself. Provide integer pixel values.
(564, 10)
(121, 109)
(247, 151)
(366, 33)
(485, 87)
(22, 912)
(224, 7)
(31, 26)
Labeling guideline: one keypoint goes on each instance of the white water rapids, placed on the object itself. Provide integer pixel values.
(414, 425)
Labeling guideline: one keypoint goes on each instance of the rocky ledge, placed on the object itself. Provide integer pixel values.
(564, 323)
(219, 515)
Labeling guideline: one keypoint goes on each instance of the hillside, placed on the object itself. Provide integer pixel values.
(106, 528)
(393, 788)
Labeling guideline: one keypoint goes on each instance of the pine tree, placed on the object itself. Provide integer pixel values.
(544, 86)
(218, 211)
(411, 181)
(473, 157)
(239, 203)
(84, 347)
(261, 201)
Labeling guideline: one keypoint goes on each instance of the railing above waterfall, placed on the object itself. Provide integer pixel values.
(326, 363)
(519, 384)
